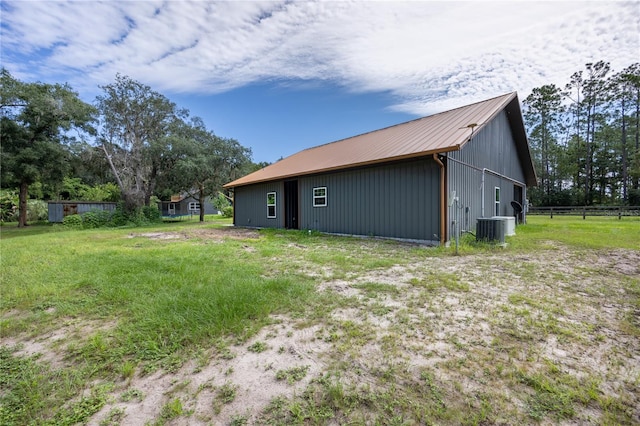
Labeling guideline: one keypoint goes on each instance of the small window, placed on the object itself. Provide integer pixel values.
(194, 207)
(497, 201)
(271, 205)
(320, 197)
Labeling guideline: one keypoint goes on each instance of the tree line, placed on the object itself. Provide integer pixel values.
(585, 138)
(131, 136)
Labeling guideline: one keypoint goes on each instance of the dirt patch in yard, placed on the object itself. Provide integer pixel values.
(478, 326)
(233, 233)
(233, 383)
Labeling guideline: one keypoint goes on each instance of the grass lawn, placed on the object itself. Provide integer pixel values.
(595, 232)
(190, 323)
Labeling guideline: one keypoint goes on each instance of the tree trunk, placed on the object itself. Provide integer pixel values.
(151, 185)
(22, 204)
(625, 161)
(201, 198)
(545, 158)
(133, 200)
(636, 182)
(114, 170)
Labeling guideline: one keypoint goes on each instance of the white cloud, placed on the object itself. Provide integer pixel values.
(431, 55)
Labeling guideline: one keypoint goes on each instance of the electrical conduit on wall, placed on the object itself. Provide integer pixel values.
(443, 203)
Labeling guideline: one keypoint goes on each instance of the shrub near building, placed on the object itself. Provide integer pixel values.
(103, 218)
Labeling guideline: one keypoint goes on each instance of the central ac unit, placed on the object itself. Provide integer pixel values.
(510, 224)
(491, 229)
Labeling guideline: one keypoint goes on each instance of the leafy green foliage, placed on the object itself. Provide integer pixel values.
(95, 219)
(140, 150)
(152, 213)
(207, 162)
(220, 202)
(543, 119)
(8, 205)
(89, 220)
(120, 217)
(104, 218)
(34, 125)
(223, 204)
(104, 192)
(584, 138)
(75, 189)
(37, 210)
(73, 221)
(227, 212)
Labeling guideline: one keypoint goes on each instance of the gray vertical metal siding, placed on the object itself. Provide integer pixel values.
(250, 205)
(492, 148)
(208, 205)
(400, 199)
(87, 207)
(55, 212)
(396, 200)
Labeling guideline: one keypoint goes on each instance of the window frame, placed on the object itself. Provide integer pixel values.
(194, 206)
(320, 197)
(496, 197)
(272, 206)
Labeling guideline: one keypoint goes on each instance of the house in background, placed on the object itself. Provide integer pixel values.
(400, 181)
(185, 205)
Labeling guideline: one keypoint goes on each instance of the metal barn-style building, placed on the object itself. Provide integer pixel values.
(408, 181)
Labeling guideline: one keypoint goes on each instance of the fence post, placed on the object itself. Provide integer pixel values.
(551, 212)
(584, 213)
(619, 213)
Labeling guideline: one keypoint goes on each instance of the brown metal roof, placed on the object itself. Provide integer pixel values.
(438, 133)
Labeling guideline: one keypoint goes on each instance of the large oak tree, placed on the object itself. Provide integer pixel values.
(203, 162)
(35, 126)
(136, 123)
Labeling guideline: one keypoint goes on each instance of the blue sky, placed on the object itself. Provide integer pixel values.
(283, 76)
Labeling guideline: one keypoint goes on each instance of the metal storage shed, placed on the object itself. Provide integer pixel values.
(58, 210)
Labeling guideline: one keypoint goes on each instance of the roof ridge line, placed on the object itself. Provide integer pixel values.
(440, 132)
(406, 122)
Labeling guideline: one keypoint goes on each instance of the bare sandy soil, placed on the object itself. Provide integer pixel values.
(207, 233)
(557, 307)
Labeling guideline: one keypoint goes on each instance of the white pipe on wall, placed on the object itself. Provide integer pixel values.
(482, 192)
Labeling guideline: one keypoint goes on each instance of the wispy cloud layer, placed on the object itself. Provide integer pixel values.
(430, 55)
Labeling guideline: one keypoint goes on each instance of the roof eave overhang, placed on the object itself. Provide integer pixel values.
(522, 144)
(475, 130)
(512, 106)
(345, 166)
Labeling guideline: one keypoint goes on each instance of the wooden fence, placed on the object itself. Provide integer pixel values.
(584, 211)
